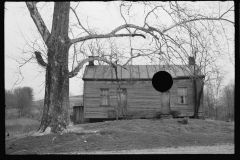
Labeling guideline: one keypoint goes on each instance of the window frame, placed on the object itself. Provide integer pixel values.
(107, 97)
(182, 99)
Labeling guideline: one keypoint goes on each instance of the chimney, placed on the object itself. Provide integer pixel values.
(191, 61)
(91, 63)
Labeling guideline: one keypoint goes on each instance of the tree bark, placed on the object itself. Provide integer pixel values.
(199, 99)
(56, 101)
(195, 98)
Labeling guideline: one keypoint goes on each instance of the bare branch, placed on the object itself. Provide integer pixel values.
(113, 33)
(94, 36)
(38, 21)
(80, 65)
(40, 59)
(226, 12)
(145, 20)
(195, 19)
(79, 21)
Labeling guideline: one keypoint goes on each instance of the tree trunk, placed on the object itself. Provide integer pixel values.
(216, 113)
(195, 98)
(119, 104)
(199, 100)
(56, 100)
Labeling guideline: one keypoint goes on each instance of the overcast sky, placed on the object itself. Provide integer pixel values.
(19, 28)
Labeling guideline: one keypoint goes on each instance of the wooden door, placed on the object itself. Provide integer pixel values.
(78, 115)
(165, 102)
(122, 100)
(81, 115)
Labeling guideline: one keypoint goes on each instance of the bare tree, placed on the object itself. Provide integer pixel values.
(228, 98)
(167, 46)
(10, 100)
(23, 97)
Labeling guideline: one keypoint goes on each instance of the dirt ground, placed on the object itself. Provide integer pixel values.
(132, 137)
(218, 149)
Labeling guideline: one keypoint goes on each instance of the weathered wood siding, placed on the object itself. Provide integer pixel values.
(188, 108)
(143, 100)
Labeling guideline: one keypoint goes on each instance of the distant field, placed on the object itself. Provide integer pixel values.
(73, 100)
(22, 121)
(19, 126)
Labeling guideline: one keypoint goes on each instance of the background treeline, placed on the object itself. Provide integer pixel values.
(20, 98)
(219, 103)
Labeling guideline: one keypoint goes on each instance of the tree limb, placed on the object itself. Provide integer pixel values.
(38, 21)
(148, 30)
(40, 59)
(113, 33)
(195, 19)
(95, 36)
(79, 21)
(80, 65)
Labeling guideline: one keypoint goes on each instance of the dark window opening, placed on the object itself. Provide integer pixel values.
(182, 95)
(104, 97)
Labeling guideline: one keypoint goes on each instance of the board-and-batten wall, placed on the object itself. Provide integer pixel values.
(143, 100)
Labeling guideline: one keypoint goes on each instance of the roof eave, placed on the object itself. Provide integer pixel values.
(137, 79)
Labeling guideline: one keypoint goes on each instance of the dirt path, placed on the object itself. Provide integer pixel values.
(219, 149)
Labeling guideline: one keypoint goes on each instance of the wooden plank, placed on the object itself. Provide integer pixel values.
(165, 103)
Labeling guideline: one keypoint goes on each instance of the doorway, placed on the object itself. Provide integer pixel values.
(78, 117)
(165, 102)
(122, 100)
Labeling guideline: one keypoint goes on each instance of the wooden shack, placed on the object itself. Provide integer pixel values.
(137, 96)
(78, 117)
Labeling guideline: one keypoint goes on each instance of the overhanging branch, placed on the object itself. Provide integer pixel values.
(196, 19)
(80, 65)
(94, 36)
(113, 33)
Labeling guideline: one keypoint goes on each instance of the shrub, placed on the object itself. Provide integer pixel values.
(175, 113)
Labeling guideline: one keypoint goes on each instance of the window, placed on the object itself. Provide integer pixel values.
(104, 97)
(182, 95)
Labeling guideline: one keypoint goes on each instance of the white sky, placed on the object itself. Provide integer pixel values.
(18, 22)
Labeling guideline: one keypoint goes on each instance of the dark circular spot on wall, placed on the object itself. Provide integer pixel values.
(162, 81)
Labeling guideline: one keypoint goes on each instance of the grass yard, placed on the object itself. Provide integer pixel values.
(126, 135)
(19, 126)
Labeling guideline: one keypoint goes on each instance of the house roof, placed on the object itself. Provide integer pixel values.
(135, 72)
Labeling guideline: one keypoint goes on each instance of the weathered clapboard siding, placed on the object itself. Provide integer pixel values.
(135, 94)
(142, 98)
(184, 109)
